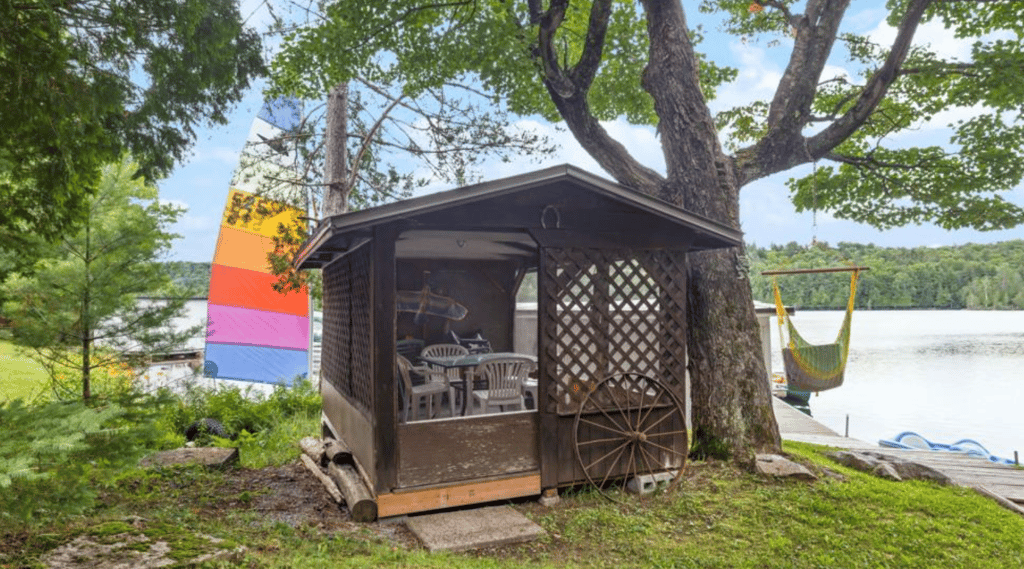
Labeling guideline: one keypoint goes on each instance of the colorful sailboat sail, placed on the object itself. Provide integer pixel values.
(255, 333)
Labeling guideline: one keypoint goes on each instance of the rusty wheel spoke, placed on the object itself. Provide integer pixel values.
(612, 467)
(650, 410)
(606, 455)
(599, 441)
(666, 433)
(617, 431)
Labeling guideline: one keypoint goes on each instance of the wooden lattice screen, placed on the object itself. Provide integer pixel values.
(345, 360)
(607, 312)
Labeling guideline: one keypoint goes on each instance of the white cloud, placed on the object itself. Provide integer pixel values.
(936, 37)
(178, 203)
(757, 79)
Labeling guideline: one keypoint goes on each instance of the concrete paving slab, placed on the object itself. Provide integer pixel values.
(473, 529)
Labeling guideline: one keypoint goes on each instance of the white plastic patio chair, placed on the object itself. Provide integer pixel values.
(504, 378)
(416, 394)
(454, 374)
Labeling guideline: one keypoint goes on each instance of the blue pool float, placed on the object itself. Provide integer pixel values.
(910, 440)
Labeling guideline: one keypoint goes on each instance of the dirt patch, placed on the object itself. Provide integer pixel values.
(288, 494)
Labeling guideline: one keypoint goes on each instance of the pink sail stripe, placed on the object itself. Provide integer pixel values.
(234, 325)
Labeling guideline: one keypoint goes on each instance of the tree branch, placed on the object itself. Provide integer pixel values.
(877, 86)
(554, 75)
(815, 36)
(784, 147)
(584, 71)
(570, 98)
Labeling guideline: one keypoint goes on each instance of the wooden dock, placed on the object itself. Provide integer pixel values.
(1003, 483)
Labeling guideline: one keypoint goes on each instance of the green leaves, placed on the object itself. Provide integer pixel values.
(85, 81)
(49, 452)
(85, 291)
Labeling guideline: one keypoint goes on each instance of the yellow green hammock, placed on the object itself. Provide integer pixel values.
(811, 367)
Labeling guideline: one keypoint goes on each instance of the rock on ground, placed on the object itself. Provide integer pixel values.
(886, 466)
(781, 467)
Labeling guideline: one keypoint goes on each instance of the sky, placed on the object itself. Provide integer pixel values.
(767, 216)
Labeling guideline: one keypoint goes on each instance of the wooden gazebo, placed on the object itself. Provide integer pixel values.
(611, 268)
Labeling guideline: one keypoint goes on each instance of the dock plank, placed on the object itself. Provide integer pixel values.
(1003, 480)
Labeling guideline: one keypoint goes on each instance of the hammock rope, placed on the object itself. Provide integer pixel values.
(815, 367)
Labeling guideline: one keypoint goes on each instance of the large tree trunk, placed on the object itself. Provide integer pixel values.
(732, 412)
(731, 394)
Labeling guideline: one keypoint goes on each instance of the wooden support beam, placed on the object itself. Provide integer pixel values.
(808, 271)
(436, 498)
(383, 323)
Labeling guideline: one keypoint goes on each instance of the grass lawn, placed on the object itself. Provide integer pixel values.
(720, 517)
(19, 375)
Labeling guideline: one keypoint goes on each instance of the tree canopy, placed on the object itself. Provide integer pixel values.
(86, 80)
(591, 57)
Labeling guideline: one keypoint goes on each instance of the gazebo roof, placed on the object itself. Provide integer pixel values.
(499, 213)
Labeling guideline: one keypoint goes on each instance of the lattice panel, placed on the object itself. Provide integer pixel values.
(345, 356)
(611, 312)
(362, 307)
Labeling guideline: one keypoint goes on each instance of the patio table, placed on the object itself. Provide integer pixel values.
(468, 362)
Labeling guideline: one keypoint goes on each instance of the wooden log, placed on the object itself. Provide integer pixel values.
(338, 452)
(332, 488)
(313, 448)
(357, 496)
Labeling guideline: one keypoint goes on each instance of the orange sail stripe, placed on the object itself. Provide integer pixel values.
(230, 286)
(243, 250)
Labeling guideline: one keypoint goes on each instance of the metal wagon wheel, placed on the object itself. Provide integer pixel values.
(630, 425)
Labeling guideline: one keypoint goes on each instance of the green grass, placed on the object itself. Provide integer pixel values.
(720, 517)
(20, 377)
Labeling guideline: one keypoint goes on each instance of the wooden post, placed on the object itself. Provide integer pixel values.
(547, 433)
(360, 502)
(383, 327)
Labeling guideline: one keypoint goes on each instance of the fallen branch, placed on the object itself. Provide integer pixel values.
(332, 488)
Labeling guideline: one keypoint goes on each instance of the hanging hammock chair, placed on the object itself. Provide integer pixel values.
(814, 367)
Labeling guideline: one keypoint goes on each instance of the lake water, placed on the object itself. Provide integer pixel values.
(946, 375)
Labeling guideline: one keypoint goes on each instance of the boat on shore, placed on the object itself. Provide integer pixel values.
(780, 389)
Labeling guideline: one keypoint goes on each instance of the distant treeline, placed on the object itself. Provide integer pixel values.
(964, 276)
(194, 277)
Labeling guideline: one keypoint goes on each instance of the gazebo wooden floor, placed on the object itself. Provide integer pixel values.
(1004, 481)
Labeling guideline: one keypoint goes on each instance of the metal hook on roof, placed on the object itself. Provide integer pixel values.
(544, 215)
